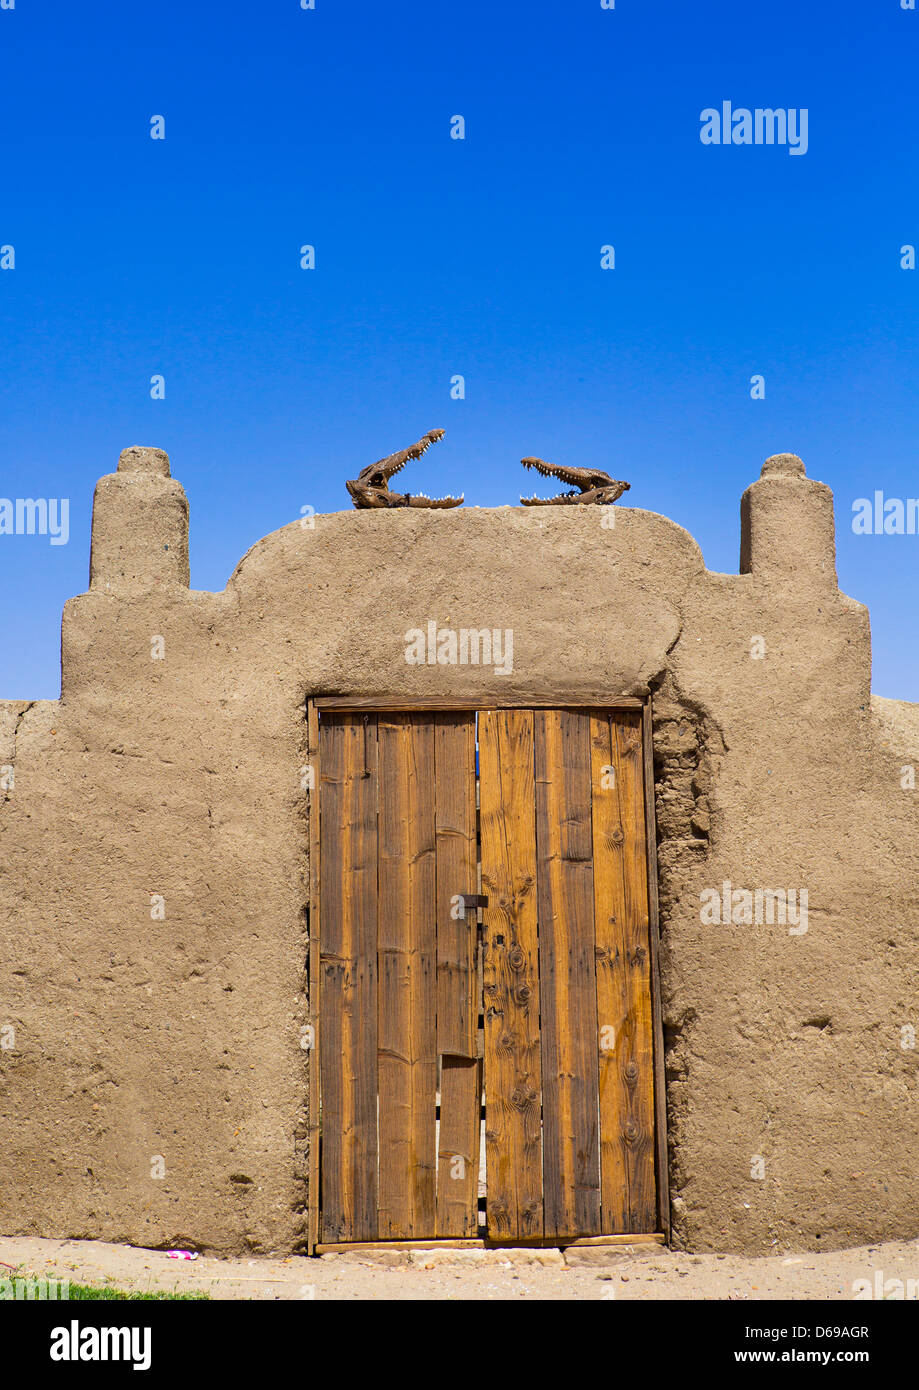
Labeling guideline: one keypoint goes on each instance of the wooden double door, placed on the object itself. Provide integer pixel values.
(519, 1031)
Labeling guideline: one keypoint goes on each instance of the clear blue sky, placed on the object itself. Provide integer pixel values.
(437, 257)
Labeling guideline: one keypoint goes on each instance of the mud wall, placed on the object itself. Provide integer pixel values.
(154, 854)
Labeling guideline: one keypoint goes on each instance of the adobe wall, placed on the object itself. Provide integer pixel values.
(139, 1037)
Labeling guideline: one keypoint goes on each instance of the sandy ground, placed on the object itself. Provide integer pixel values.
(621, 1272)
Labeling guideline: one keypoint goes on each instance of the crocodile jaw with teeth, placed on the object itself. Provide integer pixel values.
(592, 484)
(371, 487)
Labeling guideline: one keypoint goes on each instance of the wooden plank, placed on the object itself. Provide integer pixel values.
(380, 703)
(628, 1192)
(314, 973)
(511, 975)
(348, 905)
(656, 1238)
(343, 1248)
(660, 1091)
(407, 971)
(568, 991)
(639, 1238)
(456, 871)
(638, 1070)
(612, 995)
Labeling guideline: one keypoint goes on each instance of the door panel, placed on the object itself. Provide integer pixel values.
(397, 842)
(348, 993)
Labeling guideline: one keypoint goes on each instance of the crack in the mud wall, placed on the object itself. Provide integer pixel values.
(687, 748)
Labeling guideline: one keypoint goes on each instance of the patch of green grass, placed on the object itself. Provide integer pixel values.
(108, 1293)
(88, 1291)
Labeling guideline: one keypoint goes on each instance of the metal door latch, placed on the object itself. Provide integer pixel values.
(472, 901)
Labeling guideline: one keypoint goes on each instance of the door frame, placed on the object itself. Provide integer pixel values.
(315, 705)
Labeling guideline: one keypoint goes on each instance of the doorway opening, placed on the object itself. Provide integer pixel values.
(483, 976)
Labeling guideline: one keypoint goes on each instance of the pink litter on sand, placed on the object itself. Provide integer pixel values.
(182, 1254)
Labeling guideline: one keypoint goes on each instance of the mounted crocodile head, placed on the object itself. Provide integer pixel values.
(593, 485)
(371, 486)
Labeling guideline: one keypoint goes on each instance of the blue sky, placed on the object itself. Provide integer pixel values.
(437, 257)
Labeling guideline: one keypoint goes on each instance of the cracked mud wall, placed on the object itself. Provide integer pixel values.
(170, 1030)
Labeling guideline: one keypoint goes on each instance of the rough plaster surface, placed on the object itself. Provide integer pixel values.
(138, 1037)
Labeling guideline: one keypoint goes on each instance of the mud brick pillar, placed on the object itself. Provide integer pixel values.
(140, 525)
(787, 529)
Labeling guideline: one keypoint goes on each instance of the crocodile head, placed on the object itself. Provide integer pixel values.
(371, 486)
(590, 484)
